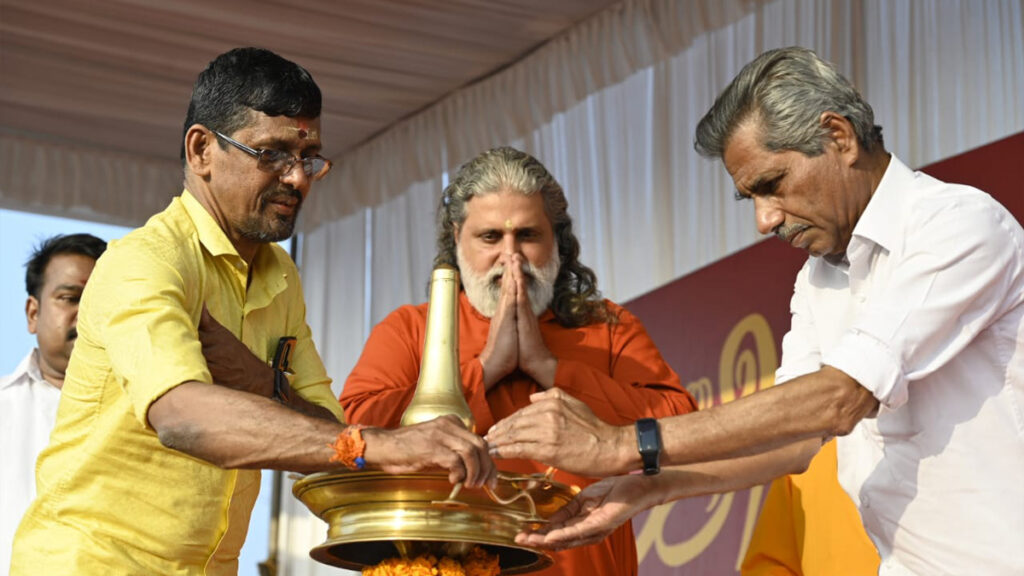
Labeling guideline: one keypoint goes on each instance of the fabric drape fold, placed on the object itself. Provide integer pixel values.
(600, 52)
(74, 182)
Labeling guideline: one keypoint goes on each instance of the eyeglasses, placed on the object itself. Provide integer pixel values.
(281, 162)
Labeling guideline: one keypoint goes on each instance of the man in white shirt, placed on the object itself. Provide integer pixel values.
(55, 276)
(907, 341)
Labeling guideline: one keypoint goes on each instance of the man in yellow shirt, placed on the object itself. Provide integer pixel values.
(153, 468)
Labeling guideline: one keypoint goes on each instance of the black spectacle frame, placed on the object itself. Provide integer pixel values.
(281, 162)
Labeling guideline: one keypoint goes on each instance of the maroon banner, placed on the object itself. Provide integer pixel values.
(721, 329)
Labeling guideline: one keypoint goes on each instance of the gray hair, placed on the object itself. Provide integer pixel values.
(786, 91)
(576, 302)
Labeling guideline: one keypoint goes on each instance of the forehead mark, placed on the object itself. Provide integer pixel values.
(508, 224)
(303, 130)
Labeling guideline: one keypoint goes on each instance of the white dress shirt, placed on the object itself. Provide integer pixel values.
(928, 315)
(28, 409)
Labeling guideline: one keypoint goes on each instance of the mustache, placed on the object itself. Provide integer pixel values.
(786, 232)
(278, 194)
(494, 274)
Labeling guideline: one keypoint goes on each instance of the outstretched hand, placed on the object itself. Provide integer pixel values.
(440, 443)
(563, 432)
(593, 514)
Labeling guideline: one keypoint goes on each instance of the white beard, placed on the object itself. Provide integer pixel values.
(484, 290)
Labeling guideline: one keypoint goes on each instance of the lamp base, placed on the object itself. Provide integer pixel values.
(373, 516)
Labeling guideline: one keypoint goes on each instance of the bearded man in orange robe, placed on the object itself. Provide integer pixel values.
(530, 319)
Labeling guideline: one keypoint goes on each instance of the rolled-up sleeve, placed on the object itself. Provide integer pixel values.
(945, 284)
(138, 293)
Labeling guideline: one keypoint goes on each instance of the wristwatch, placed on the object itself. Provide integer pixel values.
(648, 442)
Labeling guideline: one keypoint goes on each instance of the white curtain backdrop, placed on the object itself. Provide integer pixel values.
(69, 181)
(610, 108)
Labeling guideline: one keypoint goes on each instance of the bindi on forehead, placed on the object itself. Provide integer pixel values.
(304, 130)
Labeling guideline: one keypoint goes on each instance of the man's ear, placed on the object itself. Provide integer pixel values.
(32, 313)
(455, 233)
(199, 142)
(842, 135)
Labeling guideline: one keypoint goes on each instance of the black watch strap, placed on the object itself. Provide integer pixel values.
(648, 442)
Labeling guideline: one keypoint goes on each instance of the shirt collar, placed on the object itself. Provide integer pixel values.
(27, 368)
(879, 224)
(211, 236)
(271, 269)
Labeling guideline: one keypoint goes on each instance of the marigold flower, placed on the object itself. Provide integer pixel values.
(450, 567)
(478, 562)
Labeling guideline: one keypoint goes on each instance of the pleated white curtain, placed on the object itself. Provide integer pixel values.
(943, 77)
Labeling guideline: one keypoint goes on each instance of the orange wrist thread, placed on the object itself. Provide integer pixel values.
(349, 448)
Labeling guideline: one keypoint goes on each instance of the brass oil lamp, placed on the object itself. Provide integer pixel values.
(439, 389)
(373, 516)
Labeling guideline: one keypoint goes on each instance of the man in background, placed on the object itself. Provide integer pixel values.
(530, 319)
(55, 276)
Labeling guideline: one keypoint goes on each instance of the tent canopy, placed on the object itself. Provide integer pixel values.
(102, 87)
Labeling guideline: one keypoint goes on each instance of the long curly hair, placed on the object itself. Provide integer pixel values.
(577, 301)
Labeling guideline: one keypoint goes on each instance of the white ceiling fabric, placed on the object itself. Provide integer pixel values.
(93, 94)
(597, 53)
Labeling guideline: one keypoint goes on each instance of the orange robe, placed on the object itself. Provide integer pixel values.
(615, 368)
(810, 527)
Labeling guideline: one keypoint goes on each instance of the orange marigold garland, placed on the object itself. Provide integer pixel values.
(478, 562)
(349, 448)
(450, 567)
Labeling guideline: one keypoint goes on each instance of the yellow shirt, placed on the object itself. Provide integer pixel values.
(111, 498)
(810, 527)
